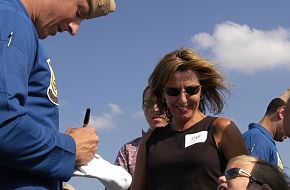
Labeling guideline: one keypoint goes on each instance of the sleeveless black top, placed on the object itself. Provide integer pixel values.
(184, 160)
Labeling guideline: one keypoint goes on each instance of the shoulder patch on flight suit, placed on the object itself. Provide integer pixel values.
(52, 90)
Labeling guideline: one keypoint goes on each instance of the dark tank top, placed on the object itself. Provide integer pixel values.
(184, 160)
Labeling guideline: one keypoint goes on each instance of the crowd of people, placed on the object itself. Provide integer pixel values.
(185, 93)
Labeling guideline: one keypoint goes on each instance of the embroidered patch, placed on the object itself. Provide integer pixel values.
(252, 148)
(280, 163)
(52, 90)
(191, 139)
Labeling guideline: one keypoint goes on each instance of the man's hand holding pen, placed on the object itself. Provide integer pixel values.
(86, 140)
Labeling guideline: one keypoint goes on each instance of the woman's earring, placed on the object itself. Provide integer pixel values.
(163, 100)
(201, 97)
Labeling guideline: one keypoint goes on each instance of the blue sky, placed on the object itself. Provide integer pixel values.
(106, 66)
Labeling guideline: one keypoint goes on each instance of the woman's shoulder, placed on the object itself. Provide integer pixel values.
(222, 123)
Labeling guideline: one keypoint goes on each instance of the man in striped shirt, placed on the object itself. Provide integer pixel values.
(128, 153)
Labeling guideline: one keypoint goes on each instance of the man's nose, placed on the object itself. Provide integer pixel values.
(74, 26)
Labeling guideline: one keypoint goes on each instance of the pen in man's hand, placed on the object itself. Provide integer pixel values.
(87, 117)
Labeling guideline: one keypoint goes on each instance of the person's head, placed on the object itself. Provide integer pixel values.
(186, 83)
(286, 123)
(52, 16)
(247, 172)
(276, 111)
(155, 117)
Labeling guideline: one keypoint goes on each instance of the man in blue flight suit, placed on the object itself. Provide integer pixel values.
(33, 153)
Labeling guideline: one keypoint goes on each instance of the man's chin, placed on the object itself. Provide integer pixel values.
(41, 36)
(159, 124)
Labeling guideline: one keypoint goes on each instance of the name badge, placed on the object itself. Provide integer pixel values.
(191, 139)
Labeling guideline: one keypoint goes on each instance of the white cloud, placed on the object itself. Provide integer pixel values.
(115, 108)
(241, 48)
(107, 119)
(139, 114)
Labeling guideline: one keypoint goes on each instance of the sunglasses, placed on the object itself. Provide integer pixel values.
(236, 172)
(190, 91)
(150, 103)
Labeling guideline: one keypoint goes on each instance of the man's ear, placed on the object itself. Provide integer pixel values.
(266, 187)
(281, 112)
